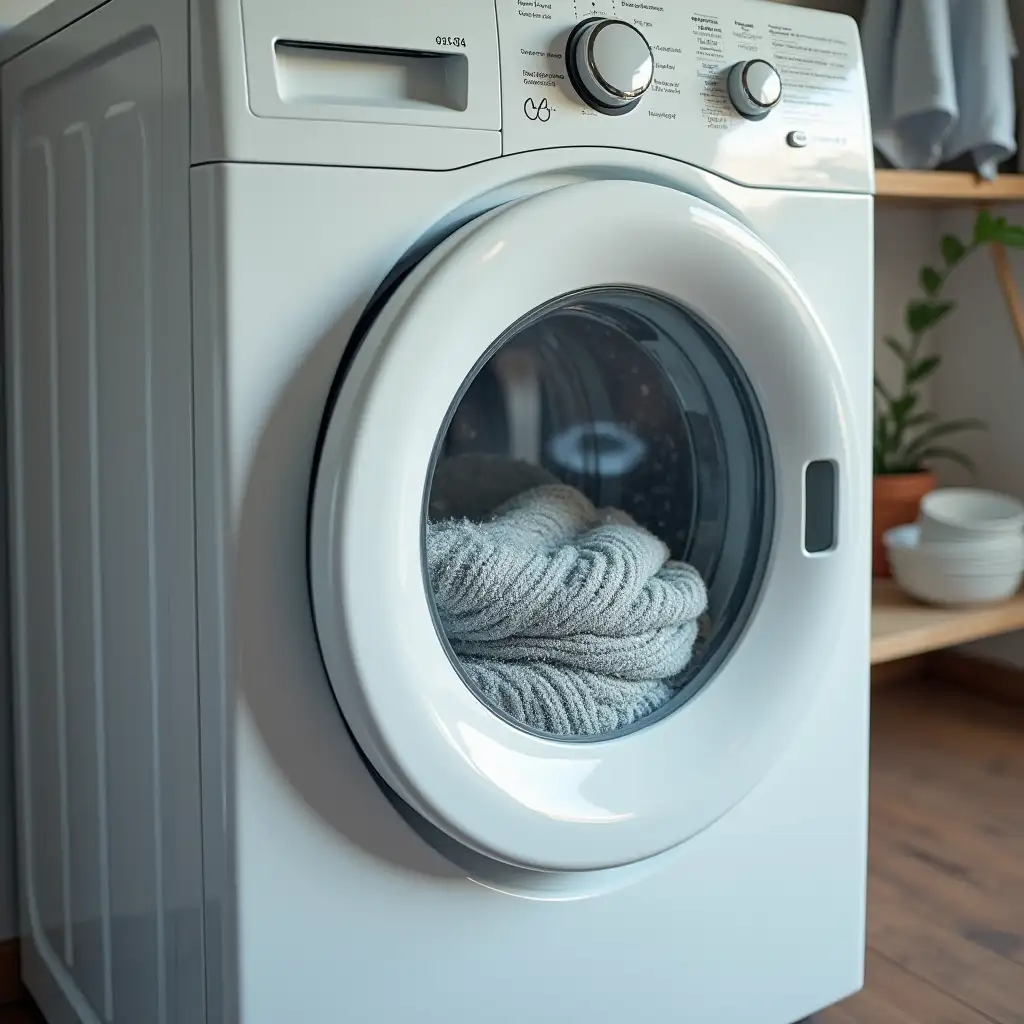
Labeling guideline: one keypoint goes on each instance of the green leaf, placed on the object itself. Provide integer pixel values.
(902, 353)
(985, 228)
(882, 443)
(1011, 235)
(919, 419)
(902, 408)
(883, 391)
(953, 250)
(949, 455)
(926, 437)
(887, 441)
(925, 314)
(923, 368)
(931, 280)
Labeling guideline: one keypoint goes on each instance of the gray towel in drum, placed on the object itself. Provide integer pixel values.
(570, 619)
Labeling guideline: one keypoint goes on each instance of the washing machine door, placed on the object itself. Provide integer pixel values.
(647, 350)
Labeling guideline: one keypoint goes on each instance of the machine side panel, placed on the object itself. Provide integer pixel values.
(98, 347)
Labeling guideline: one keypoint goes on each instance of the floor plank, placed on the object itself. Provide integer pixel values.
(915, 999)
(946, 869)
(893, 995)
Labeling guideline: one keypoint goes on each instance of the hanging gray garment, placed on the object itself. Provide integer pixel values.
(940, 81)
(571, 619)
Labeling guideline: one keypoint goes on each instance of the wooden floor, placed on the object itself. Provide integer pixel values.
(946, 888)
(946, 871)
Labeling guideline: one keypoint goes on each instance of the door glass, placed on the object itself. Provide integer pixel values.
(599, 514)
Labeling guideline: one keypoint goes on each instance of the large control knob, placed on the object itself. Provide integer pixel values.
(754, 88)
(610, 64)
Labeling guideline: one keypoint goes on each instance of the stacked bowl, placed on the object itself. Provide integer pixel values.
(967, 547)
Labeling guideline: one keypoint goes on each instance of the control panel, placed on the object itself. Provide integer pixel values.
(763, 93)
(766, 94)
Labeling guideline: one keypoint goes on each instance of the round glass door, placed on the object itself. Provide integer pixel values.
(599, 514)
(557, 537)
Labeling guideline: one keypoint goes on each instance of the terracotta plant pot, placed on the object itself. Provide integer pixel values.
(896, 501)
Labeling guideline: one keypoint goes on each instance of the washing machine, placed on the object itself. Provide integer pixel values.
(288, 285)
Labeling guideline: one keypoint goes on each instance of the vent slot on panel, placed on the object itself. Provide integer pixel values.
(318, 74)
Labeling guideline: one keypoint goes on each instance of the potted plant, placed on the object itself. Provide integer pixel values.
(909, 439)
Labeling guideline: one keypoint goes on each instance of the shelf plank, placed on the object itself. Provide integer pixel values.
(901, 627)
(945, 188)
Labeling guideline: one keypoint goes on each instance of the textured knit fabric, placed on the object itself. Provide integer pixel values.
(570, 619)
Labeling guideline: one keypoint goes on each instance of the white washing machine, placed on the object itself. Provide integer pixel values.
(272, 270)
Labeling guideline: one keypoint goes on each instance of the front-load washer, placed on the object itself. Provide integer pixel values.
(287, 286)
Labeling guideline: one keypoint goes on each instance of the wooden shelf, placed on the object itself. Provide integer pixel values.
(945, 188)
(901, 627)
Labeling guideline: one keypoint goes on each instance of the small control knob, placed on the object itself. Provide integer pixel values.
(754, 88)
(610, 63)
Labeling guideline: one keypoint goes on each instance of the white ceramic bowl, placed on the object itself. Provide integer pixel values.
(995, 547)
(957, 513)
(956, 591)
(930, 573)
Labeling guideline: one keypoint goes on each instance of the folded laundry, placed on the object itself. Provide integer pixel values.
(940, 81)
(565, 703)
(569, 618)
